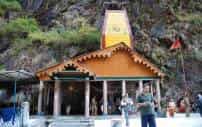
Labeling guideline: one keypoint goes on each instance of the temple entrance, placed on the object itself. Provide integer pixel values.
(73, 98)
(114, 91)
(114, 97)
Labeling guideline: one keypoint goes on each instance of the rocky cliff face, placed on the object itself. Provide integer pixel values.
(38, 33)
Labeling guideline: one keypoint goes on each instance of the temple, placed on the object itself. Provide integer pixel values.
(105, 75)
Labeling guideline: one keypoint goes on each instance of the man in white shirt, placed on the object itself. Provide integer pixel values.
(126, 106)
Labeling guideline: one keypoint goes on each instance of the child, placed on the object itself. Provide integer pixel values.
(171, 108)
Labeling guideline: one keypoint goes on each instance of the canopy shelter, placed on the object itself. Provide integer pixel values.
(17, 75)
(115, 63)
(14, 78)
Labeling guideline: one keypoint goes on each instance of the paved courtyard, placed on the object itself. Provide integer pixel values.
(116, 121)
(106, 121)
(178, 121)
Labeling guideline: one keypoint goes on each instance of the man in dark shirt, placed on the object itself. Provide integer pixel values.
(145, 105)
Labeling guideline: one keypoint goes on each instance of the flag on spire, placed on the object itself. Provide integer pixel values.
(176, 44)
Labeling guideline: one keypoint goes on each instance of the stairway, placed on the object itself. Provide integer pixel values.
(71, 123)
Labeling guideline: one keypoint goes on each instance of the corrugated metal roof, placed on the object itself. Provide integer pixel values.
(18, 75)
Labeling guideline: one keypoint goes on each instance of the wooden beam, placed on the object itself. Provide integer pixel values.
(151, 85)
(123, 88)
(40, 96)
(126, 78)
(57, 97)
(158, 93)
(87, 98)
(140, 86)
(72, 78)
(105, 96)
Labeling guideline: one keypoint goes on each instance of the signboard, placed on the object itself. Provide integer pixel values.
(116, 29)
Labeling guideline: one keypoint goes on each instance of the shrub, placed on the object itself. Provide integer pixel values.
(19, 25)
(198, 55)
(1, 12)
(84, 35)
(2, 66)
(72, 2)
(19, 44)
(195, 19)
(46, 37)
(11, 5)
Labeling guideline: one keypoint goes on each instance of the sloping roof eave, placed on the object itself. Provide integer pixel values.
(102, 53)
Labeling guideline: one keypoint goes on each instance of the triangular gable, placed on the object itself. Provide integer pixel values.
(81, 63)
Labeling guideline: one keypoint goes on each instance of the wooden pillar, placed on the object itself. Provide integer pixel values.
(123, 88)
(152, 89)
(105, 96)
(57, 98)
(41, 86)
(140, 86)
(158, 93)
(87, 98)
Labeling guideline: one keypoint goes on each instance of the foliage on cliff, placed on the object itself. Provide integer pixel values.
(37, 33)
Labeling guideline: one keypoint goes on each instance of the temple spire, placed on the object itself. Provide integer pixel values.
(116, 27)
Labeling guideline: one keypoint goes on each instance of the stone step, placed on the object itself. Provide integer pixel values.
(60, 124)
(71, 123)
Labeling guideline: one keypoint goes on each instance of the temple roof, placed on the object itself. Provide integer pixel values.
(46, 73)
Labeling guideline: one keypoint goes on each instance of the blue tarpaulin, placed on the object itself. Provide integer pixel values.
(7, 114)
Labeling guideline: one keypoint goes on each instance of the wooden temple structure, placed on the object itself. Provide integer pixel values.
(114, 61)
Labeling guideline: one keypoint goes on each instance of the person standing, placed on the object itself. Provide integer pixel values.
(68, 109)
(126, 106)
(200, 103)
(145, 104)
(171, 108)
(187, 104)
(94, 106)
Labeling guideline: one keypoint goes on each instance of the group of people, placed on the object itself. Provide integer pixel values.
(146, 105)
(97, 107)
(184, 105)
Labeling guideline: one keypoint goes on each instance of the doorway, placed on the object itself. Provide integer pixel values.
(73, 98)
(114, 97)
